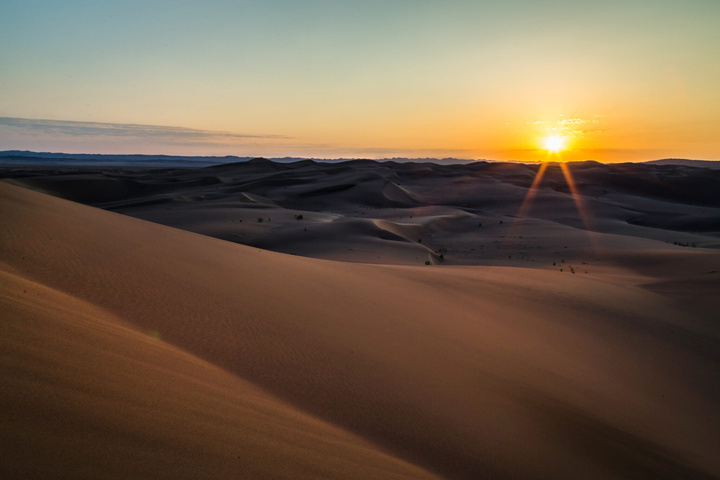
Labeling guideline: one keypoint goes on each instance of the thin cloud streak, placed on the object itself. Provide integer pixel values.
(109, 138)
(154, 132)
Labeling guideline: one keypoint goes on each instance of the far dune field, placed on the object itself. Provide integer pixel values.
(360, 320)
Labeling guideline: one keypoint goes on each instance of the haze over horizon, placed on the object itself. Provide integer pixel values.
(618, 81)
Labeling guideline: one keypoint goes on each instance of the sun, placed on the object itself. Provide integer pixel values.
(554, 143)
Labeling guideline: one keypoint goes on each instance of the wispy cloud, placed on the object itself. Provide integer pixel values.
(571, 126)
(148, 132)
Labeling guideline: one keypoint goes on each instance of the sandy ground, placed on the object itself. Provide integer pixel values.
(133, 349)
(392, 213)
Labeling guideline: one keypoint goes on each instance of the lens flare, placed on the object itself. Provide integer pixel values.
(585, 218)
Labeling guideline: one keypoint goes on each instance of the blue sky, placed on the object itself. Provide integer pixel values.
(472, 79)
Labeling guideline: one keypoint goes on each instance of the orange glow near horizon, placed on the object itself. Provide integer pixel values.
(363, 79)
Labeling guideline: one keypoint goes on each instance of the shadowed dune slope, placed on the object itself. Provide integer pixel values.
(468, 372)
(473, 214)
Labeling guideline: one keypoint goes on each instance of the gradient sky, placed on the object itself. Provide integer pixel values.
(625, 80)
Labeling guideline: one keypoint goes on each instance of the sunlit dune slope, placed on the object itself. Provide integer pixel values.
(87, 396)
(466, 372)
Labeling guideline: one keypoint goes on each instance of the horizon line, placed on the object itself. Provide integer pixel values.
(68, 156)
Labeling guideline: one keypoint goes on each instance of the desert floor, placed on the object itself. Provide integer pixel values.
(360, 320)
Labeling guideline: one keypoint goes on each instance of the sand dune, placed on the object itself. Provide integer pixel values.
(85, 395)
(306, 367)
(473, 214)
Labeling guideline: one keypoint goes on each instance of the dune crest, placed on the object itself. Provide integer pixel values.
(466, 372)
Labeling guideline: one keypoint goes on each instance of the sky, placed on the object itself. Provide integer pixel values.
(628, 80)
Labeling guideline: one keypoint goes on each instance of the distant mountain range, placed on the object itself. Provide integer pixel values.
(715, 164)
(22, 157)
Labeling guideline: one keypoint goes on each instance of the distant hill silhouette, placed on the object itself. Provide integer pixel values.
(24, 157)
(715, 164)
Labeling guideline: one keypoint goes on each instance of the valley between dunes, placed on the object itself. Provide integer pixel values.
(132, 349)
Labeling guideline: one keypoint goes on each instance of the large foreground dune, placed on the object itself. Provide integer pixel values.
(132, 349)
